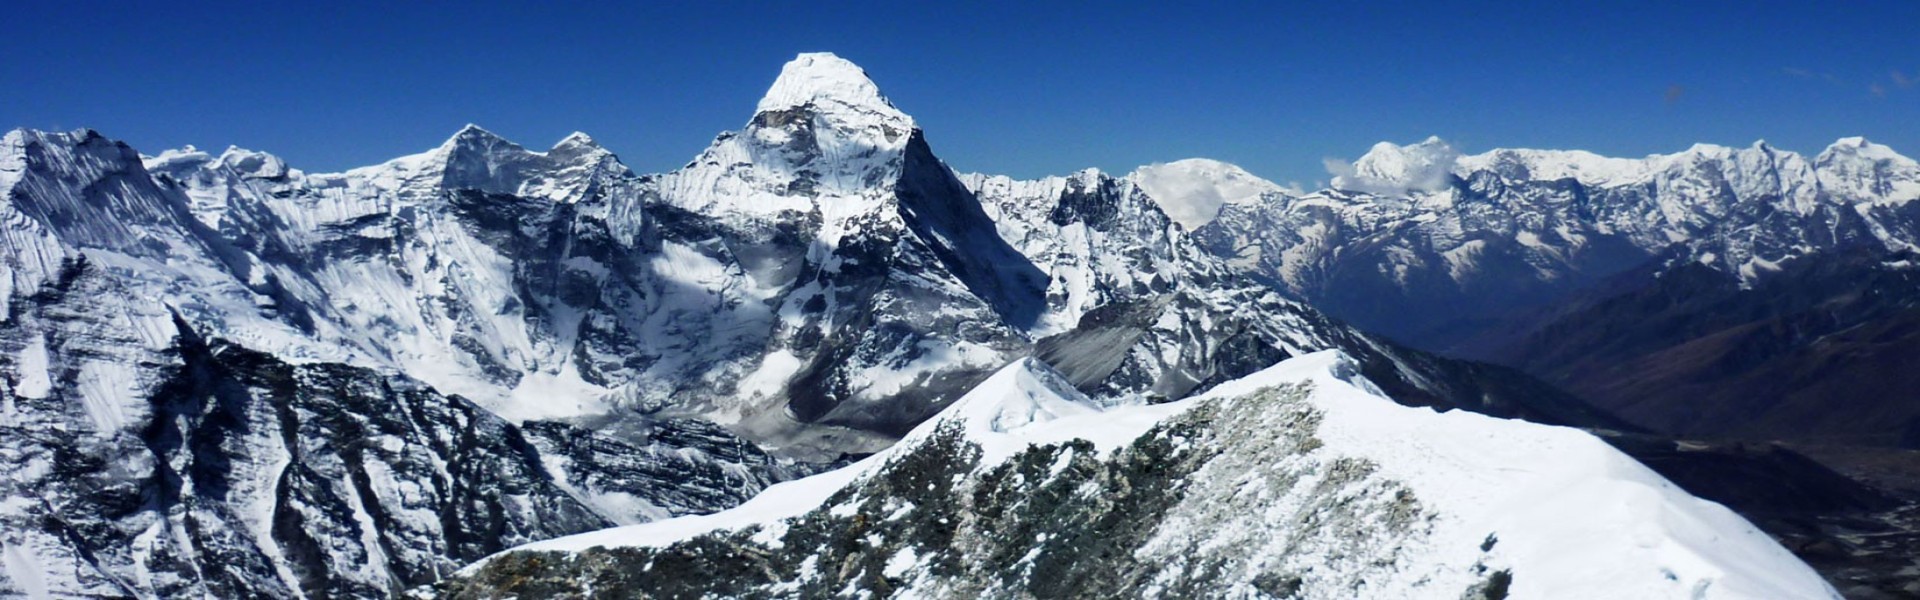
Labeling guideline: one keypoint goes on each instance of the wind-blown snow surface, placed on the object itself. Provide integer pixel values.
(1300, 479)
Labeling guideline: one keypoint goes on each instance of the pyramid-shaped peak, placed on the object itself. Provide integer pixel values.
(577, 139)
(828, 83)
(474, 135)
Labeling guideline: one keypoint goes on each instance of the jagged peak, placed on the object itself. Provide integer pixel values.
(1857, 168)
(473, 136)
(828, 83)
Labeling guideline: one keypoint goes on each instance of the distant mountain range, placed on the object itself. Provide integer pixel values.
(1583, 269)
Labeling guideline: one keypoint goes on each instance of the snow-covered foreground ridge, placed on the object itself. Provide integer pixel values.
(1301, 480)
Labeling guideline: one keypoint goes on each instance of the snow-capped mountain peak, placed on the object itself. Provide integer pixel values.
(830, 85)
(823, 130)
(576, 142)
(1860, 170)
(1549, 165)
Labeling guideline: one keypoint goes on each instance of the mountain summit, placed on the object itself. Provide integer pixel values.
(829, 84)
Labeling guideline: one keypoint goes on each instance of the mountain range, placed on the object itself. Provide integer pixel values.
(1708, 292)
(226, 376)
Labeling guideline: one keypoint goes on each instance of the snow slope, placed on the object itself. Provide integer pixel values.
(1301, 477)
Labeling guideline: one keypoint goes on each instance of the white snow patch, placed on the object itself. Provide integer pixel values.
(25, 572)
(32, 369)
(901, 563)
(1390, 168)
(544, 395)
(772, 375)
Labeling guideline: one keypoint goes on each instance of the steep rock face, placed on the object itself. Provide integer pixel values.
(818, 280)
(1027, 488)
(1429, 247)
(886, 289)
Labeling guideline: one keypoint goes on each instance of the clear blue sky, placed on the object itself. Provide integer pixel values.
(1011, 88)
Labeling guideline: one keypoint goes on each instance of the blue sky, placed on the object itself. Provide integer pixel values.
(1026, 89)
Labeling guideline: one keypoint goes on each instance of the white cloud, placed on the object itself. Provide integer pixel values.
(1393, 169)
(1192, 191)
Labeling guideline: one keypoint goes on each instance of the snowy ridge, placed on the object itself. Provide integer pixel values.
(1556, 512)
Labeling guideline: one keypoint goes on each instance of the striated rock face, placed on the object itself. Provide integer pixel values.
(1299, 481)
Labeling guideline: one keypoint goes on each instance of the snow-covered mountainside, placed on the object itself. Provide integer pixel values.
(1426, 245)
(1299, 481)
